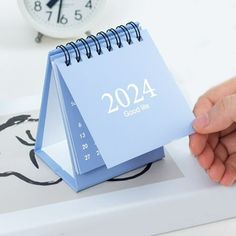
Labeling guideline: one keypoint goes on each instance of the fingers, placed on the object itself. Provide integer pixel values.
(229, 176)
(206, 158)
(229, 142)
(217, 170)
(218, 118)
(213, 140)
(216, 158)
(197, 143)
(221, 152)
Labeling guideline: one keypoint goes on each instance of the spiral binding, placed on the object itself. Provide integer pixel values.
(127, 33)
(117, 37)
(74, 45)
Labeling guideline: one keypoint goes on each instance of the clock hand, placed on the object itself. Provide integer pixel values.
(59, 12)
(51, 3)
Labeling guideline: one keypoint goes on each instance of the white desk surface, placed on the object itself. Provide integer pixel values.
(196, 37)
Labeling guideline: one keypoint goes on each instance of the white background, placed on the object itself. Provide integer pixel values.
(197, 39)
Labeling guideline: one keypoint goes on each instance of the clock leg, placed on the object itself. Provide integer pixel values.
(87, 33)
(39, 37)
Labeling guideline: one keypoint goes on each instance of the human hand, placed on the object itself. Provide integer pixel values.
(214, 143)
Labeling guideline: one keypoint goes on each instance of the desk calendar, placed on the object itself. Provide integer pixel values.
(109, 105)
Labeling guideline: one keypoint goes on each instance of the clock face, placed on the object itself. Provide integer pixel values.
(61, 18)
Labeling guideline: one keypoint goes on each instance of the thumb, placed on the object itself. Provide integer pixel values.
(218, 118)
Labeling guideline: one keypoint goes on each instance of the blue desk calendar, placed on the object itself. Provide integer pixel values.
(109, 105)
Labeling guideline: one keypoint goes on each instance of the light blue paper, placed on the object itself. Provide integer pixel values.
(166, 116)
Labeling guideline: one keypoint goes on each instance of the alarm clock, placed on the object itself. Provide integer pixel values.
(61, 18)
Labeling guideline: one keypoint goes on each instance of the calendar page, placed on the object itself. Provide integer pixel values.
(87, 153)
(128, 100)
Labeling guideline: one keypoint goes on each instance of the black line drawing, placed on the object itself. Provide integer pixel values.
(146, 168)
(16, 120)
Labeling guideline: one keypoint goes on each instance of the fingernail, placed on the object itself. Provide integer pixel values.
(201, 121)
